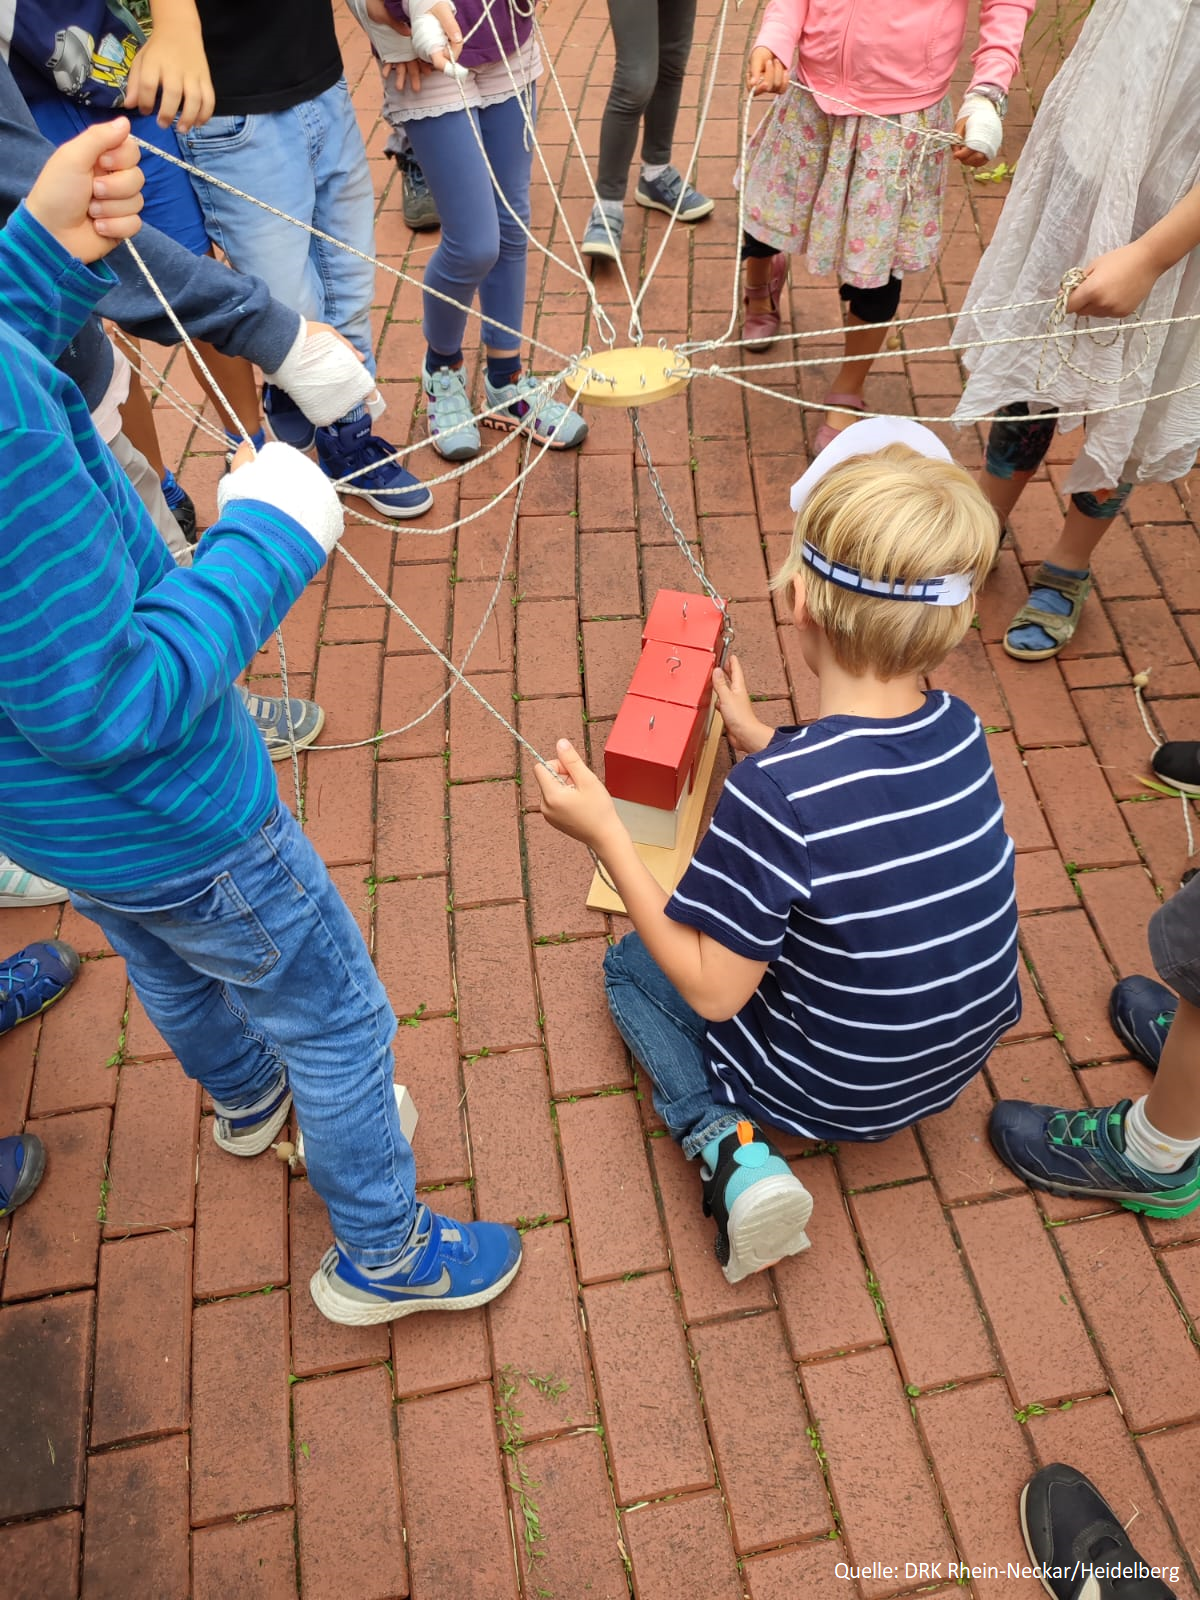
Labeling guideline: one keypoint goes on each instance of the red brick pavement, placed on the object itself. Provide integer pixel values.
(176, 1416)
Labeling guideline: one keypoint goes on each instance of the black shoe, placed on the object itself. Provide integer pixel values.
(180, 503)
(416, 200)
(1077, 1543)
(1141, 1012)
(1178, 763)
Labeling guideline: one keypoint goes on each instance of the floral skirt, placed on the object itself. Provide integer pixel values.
(859, 197)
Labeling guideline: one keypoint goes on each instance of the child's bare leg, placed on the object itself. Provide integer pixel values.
(137, 424)
(862, 343)
(236, 379)
(1173, 1104)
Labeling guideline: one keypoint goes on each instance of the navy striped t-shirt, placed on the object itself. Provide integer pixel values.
(866, 861)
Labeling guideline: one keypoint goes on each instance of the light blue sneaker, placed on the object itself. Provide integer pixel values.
(453, 432)
(758, 1203)
(445, 1266)
(602, 236)
(527, 405)
(668, 193)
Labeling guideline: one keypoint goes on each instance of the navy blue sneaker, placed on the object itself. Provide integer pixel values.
(445, 1266)
(759, 1205)
(349, 447)
(1082, 1153)
(1077, 1543)
(180, 505)
(33, 979)
(284, 419)
(1141, 1012)
(250, 1130)
(22, 1162)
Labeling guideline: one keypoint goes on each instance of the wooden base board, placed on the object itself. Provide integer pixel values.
(667, 866)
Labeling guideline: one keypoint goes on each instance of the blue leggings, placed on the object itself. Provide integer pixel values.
(482, 248)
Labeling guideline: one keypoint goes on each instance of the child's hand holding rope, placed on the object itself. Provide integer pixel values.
(89, 193)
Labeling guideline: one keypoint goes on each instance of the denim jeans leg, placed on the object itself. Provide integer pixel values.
(345, 209)
(667, 1038)
(267, 923)
(268, 155)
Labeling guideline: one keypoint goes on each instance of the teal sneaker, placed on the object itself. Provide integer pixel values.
(758, 1203)
(445, 1266)
(453, 432)
(526, 404)
(1082, 1153)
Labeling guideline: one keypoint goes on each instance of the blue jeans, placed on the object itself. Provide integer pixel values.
(311, 163)
(482, 247)
(667, 1037)
(254, 965)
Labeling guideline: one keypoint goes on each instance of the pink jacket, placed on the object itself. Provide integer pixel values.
(890, 55)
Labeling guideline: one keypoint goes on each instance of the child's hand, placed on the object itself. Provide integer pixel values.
(1114, 284)
(242, 456)
(766, 74)
(746, 731)
(172, 69)
(89, 193)
(581, 807)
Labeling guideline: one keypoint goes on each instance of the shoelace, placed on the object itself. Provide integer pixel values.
(10, 978)
(1079, 1128)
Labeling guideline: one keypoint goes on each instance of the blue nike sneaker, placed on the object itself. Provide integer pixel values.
(758, 1203)
(33, 979)
(445, 1266)
(1141, 1012)
(22, 1162)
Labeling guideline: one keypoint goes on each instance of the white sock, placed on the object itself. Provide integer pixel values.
(1150, 1149)
(650, 173)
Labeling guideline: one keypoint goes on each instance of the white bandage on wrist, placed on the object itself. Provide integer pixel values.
(428, 35)
(323, 375)
(984, 130)
(280, 476)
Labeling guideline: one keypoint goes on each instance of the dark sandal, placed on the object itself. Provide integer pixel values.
(1061, 629)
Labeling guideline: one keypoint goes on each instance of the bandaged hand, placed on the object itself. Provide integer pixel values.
(436, 36)
(323, 374)
(282, 477)
(980, 129)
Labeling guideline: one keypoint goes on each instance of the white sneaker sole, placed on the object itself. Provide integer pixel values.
(354, 1313)
(766, 1223)
(57, 897)
(600, 249)
(282, 750)
(262, 1139)
(389, 508)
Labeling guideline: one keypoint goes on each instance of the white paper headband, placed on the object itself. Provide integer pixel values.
(865, 439)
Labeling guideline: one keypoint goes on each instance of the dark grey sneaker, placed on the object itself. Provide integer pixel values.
(602, 236)
(1077, 1543)
(271, 719)
(668, 193)
(416, 198)
(1178, 763)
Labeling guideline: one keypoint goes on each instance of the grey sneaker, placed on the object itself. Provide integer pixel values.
(416, 199)
(453, 432)
(271, 719)
(21, 888)
(668, 193)
(251, 1131)
(602, 236)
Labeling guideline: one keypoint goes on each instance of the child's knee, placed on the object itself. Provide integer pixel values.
(1102, 507)
(633, 84)
(1018, 442)
(621, 960)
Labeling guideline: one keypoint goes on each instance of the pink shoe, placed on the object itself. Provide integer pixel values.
(760, 329)
(825, 433)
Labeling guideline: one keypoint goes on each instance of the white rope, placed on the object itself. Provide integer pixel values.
(1140, 680)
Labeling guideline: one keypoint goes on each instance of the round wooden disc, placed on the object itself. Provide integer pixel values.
(630, 376)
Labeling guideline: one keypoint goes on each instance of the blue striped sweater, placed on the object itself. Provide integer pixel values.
(125, 754)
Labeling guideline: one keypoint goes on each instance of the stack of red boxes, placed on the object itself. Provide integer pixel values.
(650, 755)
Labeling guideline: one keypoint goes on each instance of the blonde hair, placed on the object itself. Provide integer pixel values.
(900, 516)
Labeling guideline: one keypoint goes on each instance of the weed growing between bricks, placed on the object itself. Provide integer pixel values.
(512, 1444)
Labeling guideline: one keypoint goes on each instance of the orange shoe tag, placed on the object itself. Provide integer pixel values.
(745, 1132)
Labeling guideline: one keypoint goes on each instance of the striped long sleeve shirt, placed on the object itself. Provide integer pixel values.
(125, 754)
(866, 862)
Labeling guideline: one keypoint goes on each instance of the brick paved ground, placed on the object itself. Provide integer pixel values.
(177, 1417)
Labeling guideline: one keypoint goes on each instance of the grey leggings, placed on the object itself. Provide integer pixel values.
(653, 39)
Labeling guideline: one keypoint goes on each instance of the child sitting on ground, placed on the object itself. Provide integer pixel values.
(131, 772)
(841, 955)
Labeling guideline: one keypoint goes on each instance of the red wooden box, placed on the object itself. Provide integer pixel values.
(673, 672)
(691, 619)
(651, 750)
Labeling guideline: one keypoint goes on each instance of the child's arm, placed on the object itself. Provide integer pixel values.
(714, 980)
(776, 45)
(747, 732)
(171, 67)
(979, 121)
(1117, 283)
(85, 201)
